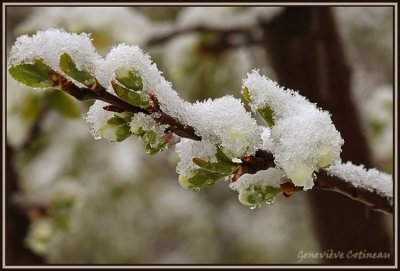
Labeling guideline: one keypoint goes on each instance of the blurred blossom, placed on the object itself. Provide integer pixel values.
(108, 25)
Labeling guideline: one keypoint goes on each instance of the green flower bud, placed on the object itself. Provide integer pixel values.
(116, 129)
(152, 142)
(325, 159)
(183, 181)
(123, 132)
(257, 195)
(301, 175)
(129, 78)
(138, 99)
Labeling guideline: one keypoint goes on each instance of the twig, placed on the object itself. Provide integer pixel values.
(98, 92)
(260, 161)
(227, 37)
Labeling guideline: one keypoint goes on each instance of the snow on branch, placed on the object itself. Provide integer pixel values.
(220, 139)
(369, 179)
(303, 137)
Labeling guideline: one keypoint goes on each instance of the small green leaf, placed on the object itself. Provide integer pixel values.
(34, 75)
(116, 121)
(130, 96)
(68, 66)
(137, 131)
(268, 115)
(271, 192)
(221, 168)
(204, 178)
(221, 157)
(246, 94)
(64, 104)
(129, 78)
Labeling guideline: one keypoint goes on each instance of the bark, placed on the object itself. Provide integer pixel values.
(304, 47)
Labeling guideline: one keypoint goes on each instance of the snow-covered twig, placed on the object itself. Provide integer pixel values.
(304, 140)
(325, 179)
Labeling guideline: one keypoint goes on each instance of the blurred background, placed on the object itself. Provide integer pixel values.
(73, 199)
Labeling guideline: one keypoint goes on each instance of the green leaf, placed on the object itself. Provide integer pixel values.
(63, 103)
(204, 178)
(221, 157)
(271, 192)
(34, 75)
(138, 131)
(268, 115)
(246, 94)
(221, 168)
(116, 121)
(68, 66)
(129, 78)
(130, 96)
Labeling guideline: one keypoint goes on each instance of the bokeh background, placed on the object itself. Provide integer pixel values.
(73, 199)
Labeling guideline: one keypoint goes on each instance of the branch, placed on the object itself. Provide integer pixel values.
(324, 181)
(260, 161)
(226, 37)
(98, 92)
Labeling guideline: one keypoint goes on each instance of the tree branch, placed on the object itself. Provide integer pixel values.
(226, 37)
(324, 181)
(260, 161)
(98, 92)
